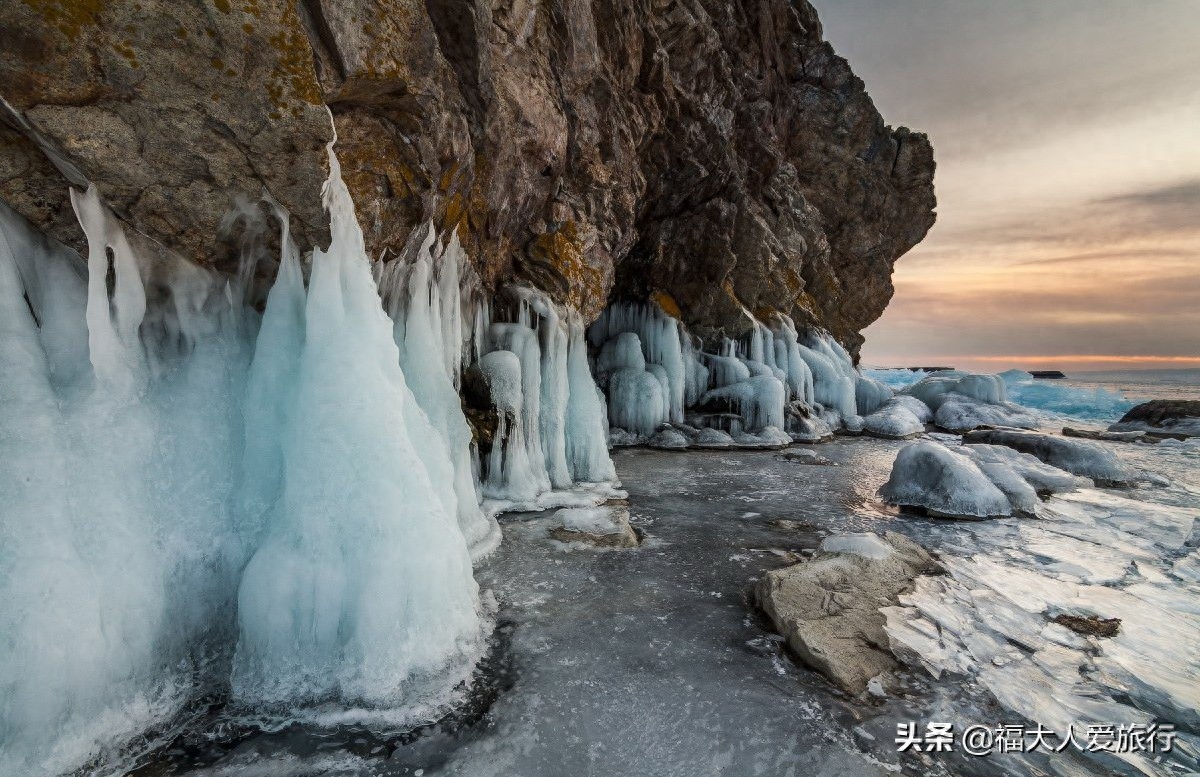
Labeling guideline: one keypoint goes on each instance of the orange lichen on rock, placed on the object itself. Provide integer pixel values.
(565, 252)
(68, 16)
(666, 303)
(293, 74)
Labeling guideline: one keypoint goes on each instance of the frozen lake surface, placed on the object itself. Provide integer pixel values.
(653, 661)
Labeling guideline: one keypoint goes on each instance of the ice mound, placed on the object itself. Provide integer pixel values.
(635, 401)
(962, 414)
(962, 402)
(770, 437)
(932, 390)
(1092, 554)
(946, 484)
(668, 438)
(899, 418)
(810, 429)
(1080, 457)
(870, 394)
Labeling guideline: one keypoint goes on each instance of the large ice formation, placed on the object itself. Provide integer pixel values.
(195, 492)
(931, 476)
(770, 383)
(361, 590)
(973, 481)
(552, 430)
(428, 329)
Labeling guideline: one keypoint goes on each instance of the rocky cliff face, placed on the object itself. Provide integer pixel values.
(716, 157)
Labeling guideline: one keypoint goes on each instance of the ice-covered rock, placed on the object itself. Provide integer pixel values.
(1080, 457)
(1092, 434)
(803, 456)
(931, 476)
(960, 413)
(807, 428)
(896, 419)
(1094, 559)
(620, 438)
(668, 438)
(606, 526)
(711, 438)
(828, 608)
(1162, 416)
(1043, 478)
(770, 437)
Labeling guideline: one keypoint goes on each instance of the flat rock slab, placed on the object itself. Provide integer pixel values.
(1091, 434)
(828, 608)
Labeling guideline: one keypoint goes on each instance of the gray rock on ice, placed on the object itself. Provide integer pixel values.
(827, 608)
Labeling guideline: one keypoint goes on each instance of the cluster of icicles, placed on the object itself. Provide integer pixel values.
(771, 387)
(285, 505)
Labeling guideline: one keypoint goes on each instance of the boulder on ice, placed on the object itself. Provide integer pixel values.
(827, 608)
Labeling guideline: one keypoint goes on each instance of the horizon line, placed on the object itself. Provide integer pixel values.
(1077, 358)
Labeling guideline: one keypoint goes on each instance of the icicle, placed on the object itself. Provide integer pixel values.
(587, 416)
(112, 325)
(510, 475)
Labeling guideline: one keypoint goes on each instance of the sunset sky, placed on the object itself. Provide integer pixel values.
(1067, 137)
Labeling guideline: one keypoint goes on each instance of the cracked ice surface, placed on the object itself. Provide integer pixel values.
(1092, 553)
